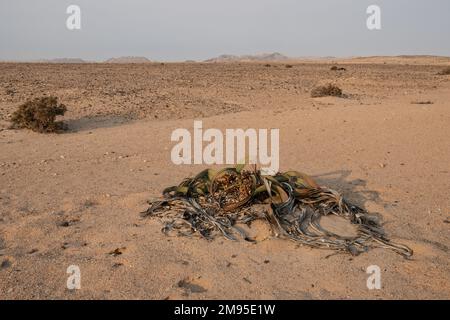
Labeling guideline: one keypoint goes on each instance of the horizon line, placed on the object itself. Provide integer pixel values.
(236, 56)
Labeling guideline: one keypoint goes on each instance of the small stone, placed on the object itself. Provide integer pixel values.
(64, 224)
(5, 264)
(117, 252)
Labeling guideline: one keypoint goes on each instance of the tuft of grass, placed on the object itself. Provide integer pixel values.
(445, 72)
(325, 91)
(39, 115)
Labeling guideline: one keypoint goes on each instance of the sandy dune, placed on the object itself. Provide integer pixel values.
(71, 199)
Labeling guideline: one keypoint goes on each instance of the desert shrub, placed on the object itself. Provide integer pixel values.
(445, 72)
(328, 90)
(39, 115)
(336, 68)
(422, 102)
(289, 66)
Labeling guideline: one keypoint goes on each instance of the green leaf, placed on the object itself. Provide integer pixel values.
(240, 167)
(211, 174)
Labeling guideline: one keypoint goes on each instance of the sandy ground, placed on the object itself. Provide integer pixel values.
(72, 198)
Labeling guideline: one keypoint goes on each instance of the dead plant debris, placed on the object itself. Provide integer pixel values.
(292, 203)
(116, 252)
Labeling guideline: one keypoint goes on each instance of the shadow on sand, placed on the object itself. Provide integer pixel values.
(354, 190)
(91, 123)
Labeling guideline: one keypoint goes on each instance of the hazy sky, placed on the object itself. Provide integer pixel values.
(200, 29)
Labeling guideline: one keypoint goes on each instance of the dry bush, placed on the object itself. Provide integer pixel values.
(422, 102)
(445, 72)
(289, 66)
(39, 115)
(336, 68)
(328, 90)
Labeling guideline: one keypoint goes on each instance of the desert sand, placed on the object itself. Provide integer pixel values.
(72, 198)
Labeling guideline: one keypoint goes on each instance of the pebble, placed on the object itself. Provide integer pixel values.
(5, 264)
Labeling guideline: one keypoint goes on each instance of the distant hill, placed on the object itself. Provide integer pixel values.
(401, 59)
(62, 60)
(275, 56)
(128, 60)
